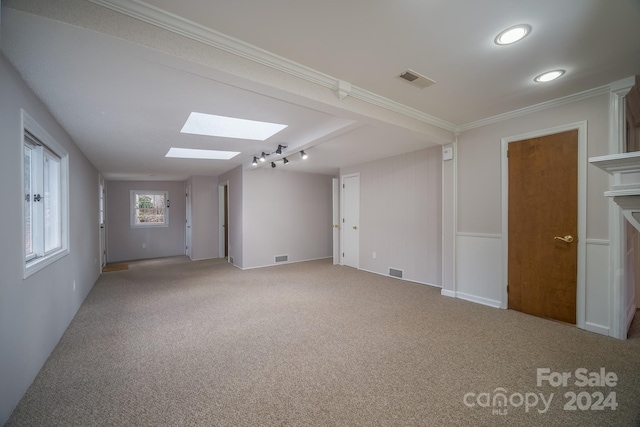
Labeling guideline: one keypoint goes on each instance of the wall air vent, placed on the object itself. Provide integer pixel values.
(416, 79)
(282, 258)
(394, 272)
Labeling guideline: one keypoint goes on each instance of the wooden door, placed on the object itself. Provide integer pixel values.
(543, 226)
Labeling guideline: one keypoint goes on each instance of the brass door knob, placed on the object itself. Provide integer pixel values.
(355, 227)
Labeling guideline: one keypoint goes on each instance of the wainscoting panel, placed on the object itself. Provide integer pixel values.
(597, 287)
(479, 268)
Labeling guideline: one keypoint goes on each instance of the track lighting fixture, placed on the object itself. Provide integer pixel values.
(255, 161)
(273, 165)
(279, 149)
(285, 160)
(263, 157)
(303, 155)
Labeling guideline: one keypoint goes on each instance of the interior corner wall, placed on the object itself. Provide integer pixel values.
(35, 312)
(204, 217)
(235, 179)
(401, 215)
(478, 237)
(126, 243)
(286, 213)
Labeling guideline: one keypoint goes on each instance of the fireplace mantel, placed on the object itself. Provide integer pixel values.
(625, 188)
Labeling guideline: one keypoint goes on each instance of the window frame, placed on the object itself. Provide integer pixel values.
(43, 145)
(132, 208)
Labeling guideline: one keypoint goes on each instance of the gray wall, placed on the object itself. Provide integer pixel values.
(35, 312)
(476, 239)
(204, 217)
(285, 213)
(124, 242)
(400, 215)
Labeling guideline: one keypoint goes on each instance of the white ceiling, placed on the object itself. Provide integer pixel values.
(123, 88)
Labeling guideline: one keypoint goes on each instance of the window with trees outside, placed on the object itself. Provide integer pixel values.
(45, 193)
(149, 208)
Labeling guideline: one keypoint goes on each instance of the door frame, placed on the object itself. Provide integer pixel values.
(221, 216)
(581, 286)
(342, 203)
(188, 234)
(102, 222)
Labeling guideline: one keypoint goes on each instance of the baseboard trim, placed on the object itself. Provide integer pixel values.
(479, 300)
(284, 263)
(595, 328)
(402, 279)
(447, 293)
(471, 298)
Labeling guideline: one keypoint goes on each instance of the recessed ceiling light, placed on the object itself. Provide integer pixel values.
(190, 153)
(548, 76)
(513, 34)
(229, 127)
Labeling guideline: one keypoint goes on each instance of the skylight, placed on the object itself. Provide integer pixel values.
(191, 153)
(229, 127)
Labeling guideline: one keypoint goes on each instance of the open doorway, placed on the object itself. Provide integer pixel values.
(223, 203)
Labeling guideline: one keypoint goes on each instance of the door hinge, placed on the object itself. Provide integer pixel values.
(342, 254)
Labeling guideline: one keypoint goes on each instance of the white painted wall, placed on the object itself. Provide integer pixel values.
(477, 181)
(400, 215)
(204, 217)
(125, 242)
(286, 213)
(35, 312)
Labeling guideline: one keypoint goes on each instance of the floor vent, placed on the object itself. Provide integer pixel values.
(394, 272)
(416, 79)
(282, 258)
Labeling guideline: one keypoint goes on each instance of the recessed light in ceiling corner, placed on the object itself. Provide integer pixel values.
(512, 34)
(229, 127)
(416, 79)
(192, 153)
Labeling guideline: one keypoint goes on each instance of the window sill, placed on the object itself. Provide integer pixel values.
(35, 265)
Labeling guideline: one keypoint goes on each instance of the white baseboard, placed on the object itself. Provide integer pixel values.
(479, 300)
(284, 263)
(398, 278)
(448, 293)
(595, 328)
(471, 298)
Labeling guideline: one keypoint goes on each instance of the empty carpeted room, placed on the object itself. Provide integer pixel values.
(320, 213)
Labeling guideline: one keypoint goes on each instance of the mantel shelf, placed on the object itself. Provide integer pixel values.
(625, 188)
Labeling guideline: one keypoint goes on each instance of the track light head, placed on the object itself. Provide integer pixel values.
(255, 161)
(263, 157)
(273, 165)
(303, 155)
(285, 160)
(279, 149)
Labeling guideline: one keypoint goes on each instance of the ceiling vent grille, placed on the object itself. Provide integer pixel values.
(416, 79)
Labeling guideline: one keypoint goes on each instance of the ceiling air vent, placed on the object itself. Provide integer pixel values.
(416, 79)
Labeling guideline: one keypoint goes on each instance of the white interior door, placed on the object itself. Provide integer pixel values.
(336, 221)
(102, 230)
(351, 221)
(188, 223)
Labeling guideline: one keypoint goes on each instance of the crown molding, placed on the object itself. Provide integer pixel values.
(176, 24)
(591, 93)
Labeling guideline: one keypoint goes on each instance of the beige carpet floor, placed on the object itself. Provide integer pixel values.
(178, 343)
